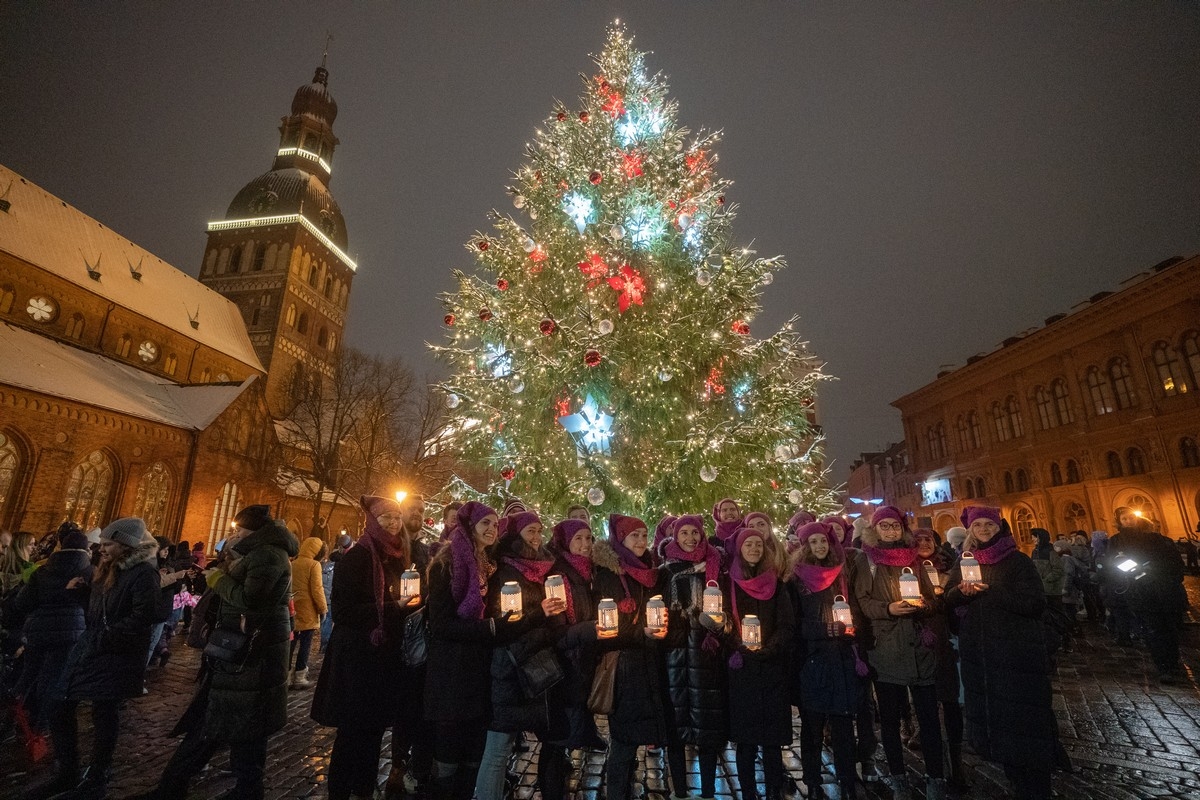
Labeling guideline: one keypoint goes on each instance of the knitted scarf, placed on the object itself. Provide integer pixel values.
(701, 552)
(899, 556)
(995, 551)
(382, 546)
(817, 578)
(469, 574)
(533, 570)
(632, 567)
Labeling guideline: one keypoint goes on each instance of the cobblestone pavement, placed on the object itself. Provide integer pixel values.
(1128, 736)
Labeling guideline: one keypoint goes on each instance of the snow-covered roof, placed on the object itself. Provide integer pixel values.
(37, 363)
(49, 233)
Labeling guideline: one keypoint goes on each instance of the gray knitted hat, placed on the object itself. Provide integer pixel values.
(129, 531)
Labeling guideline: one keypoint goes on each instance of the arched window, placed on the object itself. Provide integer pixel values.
(1055, 475)
(1136, 461)
(1073, 475)
(1023, 523)
(1169, 369)
(88, 491)
(312, 276)
(75, 326)
(943, 448)
(235, 260)
(931, 439)
(224, 509)
(969, 488)
(333, 342)
(1062, 402)
(980, 488)
(1189, 453)
(10, 472)
(123, 345)
(254, 316)
(205, 375)
(1009, 486)
(328, 286)
(153, 494)
(260, 256)
(7, 296)
(302, 324)
(1142, 504)
(976, 430)
(1047, 418)
(1075, 516)
(170, 363)
(1022, 481)
(1122, 383)
(265, 299)
(1191, 354)
(1000, 423)
(1114, 464)
(1099, 392)
(1013, 409)
(291, 316)
(964, 435)
(322, 337)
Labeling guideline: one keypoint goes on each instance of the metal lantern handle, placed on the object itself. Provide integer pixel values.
(839, 598)
(907, 570)
(713, 584)
(925, 563)
(968, 554)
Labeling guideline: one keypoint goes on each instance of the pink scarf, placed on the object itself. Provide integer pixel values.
(815, 577)
(382, 546)
(533, 570)
(998, 550)
(702, 552)
(760, 587)
(635, 568)
(892, 556)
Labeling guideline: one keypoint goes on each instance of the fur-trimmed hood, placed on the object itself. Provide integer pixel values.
(145, 552)
(870, 536)
(603, 555)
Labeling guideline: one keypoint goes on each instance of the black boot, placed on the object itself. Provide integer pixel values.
(958, 778)
(464, 782)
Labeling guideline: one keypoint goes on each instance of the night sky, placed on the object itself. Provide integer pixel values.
(939, 176)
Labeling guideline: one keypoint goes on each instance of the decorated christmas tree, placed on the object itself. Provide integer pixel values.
(603, 347)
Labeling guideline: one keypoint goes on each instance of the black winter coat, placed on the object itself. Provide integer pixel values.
(760, 711)
(579, 652)
(459, 685)
(361, 685)
(895, 646)
(1005, 667)
(109, 659)
(639, 713)
(824, 678)
(696, 681)
(54, 615)
(1160, 589)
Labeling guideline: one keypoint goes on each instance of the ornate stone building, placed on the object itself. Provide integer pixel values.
(129, 387)
(1097, 408)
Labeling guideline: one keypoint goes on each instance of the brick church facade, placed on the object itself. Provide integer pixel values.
(127, 387)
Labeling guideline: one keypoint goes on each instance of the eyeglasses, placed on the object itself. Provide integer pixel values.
(890, 526)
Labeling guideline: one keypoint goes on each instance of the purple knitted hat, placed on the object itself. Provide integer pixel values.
(565, 531)
(972, 513)
(472, 512)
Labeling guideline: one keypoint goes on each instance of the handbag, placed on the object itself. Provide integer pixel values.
(537, 673)
(416, 638)
(600, 698)
(231, 646)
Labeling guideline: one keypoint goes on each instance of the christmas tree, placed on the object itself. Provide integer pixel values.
(602, 349)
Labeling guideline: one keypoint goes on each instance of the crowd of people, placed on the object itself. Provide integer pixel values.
(699, 635)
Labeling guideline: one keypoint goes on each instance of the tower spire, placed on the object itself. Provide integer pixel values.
(325, 55)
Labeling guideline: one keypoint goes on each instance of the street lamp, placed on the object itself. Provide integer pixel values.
(400, 495)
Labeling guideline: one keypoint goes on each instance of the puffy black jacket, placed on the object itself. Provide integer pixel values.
(824, 679)
(760, 710)
(695, 675)
(54, 614)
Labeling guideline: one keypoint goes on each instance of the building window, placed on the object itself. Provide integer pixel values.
(1122, 383)
(148, 351)
(1189, 453)
(312, 276)
(88, 490)
(328, 286)
(302, 324)
(333, 342)
(123, 345)
(976, 430)
(1191, 354)
(41, 309)
(1100, 392)
(1114, 464)
(260, 255)
(10, 470)
(7, 296)
(1055, 475)
(1022, 481)
(235, 260)
(943, 448)
(205, 375)
(1076, 517)
(931, 438)
(224, 509)
(291, 315)
(1047, 418)
(265, 299)
(1062, 402)
(1024, 524)
(254, 316)
(154, 490)
(322, 337)
(75, 326)
(980, 488)
(1073, 475)
(964, 440)
(1013, 409)
(1000, 423)
(170, 363)
(1169, 369)
(1009, 487)
(969, 489)
(1136, 461)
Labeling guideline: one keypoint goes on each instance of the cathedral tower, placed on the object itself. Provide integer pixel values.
(280, 252)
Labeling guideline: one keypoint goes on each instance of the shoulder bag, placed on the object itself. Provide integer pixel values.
(416, 638)
(600, 698)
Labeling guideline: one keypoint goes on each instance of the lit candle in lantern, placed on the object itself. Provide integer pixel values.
(842, 614)
(410, 582)
(656, 613)
(751, 632)
(910, 588)
(713, 601)
(510, 599)
(970, 568)
(556, 588)
(607, 619)
(931, 573)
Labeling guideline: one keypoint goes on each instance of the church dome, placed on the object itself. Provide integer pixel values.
(291, 191)
(314, 98)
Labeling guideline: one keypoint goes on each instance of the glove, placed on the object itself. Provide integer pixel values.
(835, 630)
(711, 624)
(214, 577)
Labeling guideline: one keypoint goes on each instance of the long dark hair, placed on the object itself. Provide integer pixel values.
(106, 571)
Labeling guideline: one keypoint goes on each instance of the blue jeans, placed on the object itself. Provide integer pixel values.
(489, 784)
(301, 647)
(156, 631)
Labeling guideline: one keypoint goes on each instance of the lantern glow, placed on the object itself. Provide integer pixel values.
(910, 588)
(970, 568)
(842, 613)
(713, 604)
(656, 613)
(410, 582)
(931, 573)
(556, 588)
(607, 619)
(510, 599)
(751, 632)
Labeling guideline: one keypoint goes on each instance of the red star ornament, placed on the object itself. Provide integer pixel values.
(630, 285)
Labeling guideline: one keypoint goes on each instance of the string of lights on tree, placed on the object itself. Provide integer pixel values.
(602, 348)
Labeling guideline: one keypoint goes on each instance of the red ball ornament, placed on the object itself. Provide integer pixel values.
(774, 484)
(720, 199)
(483, 245)
(584, 116)
(502, 285)
(449, 319)
(508, 473)
(592, 358)
(604, 85)
(547, 326)
(595, 178)
(741, 327)
(561, 116)
(429, 520)
(485, 313)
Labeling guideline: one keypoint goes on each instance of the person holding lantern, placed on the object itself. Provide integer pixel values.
(518, 587)
(364, 686)
(461, 639)
(829, 678)
(695, 667)
(760, 712)
(898, 601)
(998, 597)
(775, 555)
(625, 574)
(571, 543)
